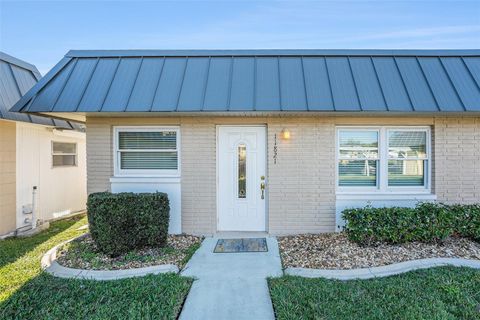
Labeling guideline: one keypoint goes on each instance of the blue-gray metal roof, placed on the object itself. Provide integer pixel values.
(16, 78)
(259, 80)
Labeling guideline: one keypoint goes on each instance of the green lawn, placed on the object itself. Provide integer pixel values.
(440, 293)
(28, 293)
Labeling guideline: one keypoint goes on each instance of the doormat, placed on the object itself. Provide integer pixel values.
(241, 245)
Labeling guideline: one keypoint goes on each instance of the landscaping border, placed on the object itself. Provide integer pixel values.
(382, 271)
(51, 266)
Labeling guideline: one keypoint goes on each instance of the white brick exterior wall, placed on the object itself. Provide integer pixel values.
(301, 190)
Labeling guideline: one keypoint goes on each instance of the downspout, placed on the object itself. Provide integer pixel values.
(34, 216)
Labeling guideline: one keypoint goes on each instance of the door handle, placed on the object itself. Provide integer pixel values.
(262, 187)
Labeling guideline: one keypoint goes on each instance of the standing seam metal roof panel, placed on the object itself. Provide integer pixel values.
(49, 94)
(260, 80)
(122, 84)
(217, 91)
(464, 83)
(416, 84)
(267, 89)
(343, 86)
(169, 85)
(17, 77)
(242, 90)
(97, 88)
(75, 87)
(292, 85)
(392, 84)
(317, 84)
(192, 92)
(143, 92)
(368, 87)
(445, 94)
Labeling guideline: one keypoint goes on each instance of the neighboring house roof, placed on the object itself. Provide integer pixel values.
(16, 78)
(260, 80)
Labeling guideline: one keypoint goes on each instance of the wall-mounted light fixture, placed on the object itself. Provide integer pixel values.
(285, 134)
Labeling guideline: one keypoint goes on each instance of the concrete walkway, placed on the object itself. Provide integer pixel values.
(231, 285)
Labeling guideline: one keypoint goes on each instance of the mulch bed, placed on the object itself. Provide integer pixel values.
(82, 253)
(335, 251)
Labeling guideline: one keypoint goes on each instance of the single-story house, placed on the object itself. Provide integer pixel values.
(42, 161)
(277, 141)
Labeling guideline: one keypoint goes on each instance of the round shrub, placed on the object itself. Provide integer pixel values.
(121, 222)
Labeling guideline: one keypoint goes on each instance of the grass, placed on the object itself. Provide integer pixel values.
(26, 292)
(439, 293)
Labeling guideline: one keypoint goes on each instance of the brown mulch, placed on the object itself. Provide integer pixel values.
(335, 251)
(83, 253)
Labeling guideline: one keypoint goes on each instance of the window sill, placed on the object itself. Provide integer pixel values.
(387, 196)
(146, 180)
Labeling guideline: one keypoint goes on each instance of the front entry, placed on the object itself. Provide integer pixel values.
(241, 174)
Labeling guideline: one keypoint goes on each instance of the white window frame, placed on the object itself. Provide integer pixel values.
(118, 172)
(382, 169)
(64, 154)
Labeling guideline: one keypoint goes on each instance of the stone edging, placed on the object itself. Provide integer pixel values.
(52, 267)
(382, 271)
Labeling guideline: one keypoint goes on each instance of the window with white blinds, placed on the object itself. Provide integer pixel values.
(383, 158)
(147, 151)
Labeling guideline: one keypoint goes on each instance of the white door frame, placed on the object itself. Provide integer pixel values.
(217, 171)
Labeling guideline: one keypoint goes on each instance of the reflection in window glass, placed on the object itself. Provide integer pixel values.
(407, 144)
(359, 144)
(406, 172)
(358, 158)
(407, 154)
(242, 171)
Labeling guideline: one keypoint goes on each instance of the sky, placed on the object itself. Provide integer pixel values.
(41, 32)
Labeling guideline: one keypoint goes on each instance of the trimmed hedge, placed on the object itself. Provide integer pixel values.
(122, 222)
(427, 222)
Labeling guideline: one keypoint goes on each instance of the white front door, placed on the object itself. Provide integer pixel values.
(241, 178)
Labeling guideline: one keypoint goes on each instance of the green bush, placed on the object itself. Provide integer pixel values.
(468, 220)
(427, 222)
(122, 222)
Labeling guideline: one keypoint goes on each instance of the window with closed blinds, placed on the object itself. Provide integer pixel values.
(147, 150)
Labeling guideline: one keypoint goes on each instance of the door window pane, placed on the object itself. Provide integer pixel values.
(242, 171)
(358, 173)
